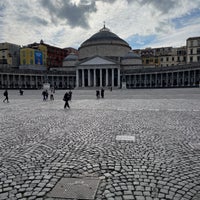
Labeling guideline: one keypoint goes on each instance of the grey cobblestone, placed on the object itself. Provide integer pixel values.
(39, 148)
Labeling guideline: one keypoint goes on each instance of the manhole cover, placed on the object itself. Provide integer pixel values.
(125, 138)
(195, 146)
(75, 188)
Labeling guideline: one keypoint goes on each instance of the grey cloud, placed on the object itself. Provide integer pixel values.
(163, 5)
(73, 14)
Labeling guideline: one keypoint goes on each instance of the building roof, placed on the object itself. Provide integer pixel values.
(104, 36)
(132, 55)
(71, 57)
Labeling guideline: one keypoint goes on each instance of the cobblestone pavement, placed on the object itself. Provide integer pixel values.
(40, 143)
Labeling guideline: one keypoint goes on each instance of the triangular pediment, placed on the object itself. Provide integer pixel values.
(98, 61)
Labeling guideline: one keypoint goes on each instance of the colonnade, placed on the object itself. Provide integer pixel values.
(102, 77)
(185, 78)
(35, 81)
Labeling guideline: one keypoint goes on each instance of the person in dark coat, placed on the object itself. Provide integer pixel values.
(102, 93)
(97, 94)
(66, 98)
(21, 92)
(6, 96)
(44, 95)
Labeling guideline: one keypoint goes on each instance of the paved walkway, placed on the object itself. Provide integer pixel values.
(40, 143)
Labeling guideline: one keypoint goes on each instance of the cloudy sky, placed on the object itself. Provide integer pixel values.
(68, 23)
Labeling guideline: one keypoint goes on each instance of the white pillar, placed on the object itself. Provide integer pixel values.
(100, 77)
(161, 79)
(172, 80)
(94, 77)
(106, 77)
(77, 78)
(83, 78)
(112, 77)
(89, 81)
(135, 81)
(118, 80)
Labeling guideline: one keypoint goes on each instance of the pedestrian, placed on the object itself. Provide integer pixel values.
(66, 99)
(47, 94)
(6, 96)
(21, 92)
(102, 93)
(97, 94)
(51, 97)
(111, 88)
(44, 95)
(70, 95)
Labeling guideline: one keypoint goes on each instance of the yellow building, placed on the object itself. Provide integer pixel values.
(32, 56)
(9, 54)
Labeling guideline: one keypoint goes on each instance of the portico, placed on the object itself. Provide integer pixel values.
(98, 77)
(98, 72)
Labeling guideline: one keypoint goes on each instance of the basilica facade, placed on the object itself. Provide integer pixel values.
(104, 60)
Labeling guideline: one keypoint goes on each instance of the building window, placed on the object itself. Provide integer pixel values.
(198, 50)
(198, 58)
(191, 59)
(172, 58)
(191, 43)
(167, 59)
(24, 61)
(31, 61)
(191, 51)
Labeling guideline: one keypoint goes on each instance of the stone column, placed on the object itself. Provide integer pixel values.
(172, 82)
(135, 81)
(150, 80)
(156, 80)
(118, 80)
(100, 77)
(77, 78)
(189, 78)
(161, 79)
(177, 77)
(140, 80)
(106, 77)
(167, 79)
(112, 77)
(183, 79)
(194, 80)
(89, 81)
(145, 80)
(94, 77)
(83, 78)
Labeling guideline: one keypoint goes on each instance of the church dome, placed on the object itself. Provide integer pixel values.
(131, 58)
(132, 55)
(103, 43)
(102, 37)
(71, 57)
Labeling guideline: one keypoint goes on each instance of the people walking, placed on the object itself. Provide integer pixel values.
(6, 96)
(66, 98)
(102, 93)
(21, 92)
(51, 97)
(97, 94)
(44, 95)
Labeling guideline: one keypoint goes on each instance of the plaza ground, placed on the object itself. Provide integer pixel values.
(41, 143)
